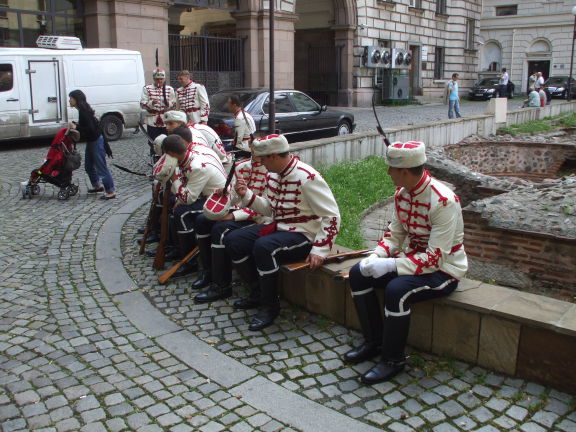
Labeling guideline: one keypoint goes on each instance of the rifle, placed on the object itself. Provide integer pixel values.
(170, 272)
(339, 257)
(160, 250)
(149, 219)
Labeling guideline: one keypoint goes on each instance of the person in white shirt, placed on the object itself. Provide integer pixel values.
(539, 81)
(503, 84)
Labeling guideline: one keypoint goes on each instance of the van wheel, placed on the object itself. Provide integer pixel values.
(112, 127)
(344, 128)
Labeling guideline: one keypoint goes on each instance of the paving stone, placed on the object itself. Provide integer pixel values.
(482, 415)
(545, 418)
(451, 408)
(465, 423)
(532, 427)
(432, 415)
(517, 413)
(444, 427)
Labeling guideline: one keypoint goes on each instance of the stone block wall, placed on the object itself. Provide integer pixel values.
(527, 160)
(532, 261)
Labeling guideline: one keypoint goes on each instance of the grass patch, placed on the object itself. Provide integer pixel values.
(567, 121)
(356, 186)
(532, 127)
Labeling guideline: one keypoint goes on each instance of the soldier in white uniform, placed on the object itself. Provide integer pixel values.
(244, 124)
(157, 99)
(192, 99)
(305, 224)
(201, 134)
(217, 274)
(199, 174)
(429, 216)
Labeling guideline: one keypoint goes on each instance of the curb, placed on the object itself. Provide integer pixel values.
(238, 379)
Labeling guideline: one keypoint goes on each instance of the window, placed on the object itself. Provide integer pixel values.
(416, 4)
(439, 63)
(507, 10)
(303, 103)
(6, 77)
(282, 102)
(470, 29)
(441, 7)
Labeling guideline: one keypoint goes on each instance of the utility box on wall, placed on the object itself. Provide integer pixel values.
(395, 85)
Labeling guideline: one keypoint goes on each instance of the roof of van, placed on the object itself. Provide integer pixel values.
(46, 51)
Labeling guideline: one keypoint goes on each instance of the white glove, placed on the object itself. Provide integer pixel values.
(378, 267)
(365, 265)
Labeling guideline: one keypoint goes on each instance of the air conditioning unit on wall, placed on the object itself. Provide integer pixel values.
(401, 59)
(395, 85)
(376, 57)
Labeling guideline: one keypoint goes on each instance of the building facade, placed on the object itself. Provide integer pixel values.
(526, 36)
(319, 45)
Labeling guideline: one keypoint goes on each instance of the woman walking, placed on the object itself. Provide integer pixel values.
(95, 156)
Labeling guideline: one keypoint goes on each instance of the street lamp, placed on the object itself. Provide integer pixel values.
(572, 56)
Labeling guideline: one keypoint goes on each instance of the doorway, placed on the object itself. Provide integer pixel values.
(539, 66)
(415, 89)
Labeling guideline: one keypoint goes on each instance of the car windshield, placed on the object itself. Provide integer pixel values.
(487, 82)
(556, 81)
(218, 100)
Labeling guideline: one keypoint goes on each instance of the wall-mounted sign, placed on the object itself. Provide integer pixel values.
(424, 53)
(213, 4)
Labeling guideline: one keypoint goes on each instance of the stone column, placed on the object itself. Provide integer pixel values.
(344, 36)
(139, 25)
(252, 24)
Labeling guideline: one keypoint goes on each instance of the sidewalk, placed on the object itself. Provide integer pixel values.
(89, 341)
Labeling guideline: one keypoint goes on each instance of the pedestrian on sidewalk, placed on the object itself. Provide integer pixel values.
(96, 148)
(539, 81)
(453, 97)
(532, 82)
(503, 84)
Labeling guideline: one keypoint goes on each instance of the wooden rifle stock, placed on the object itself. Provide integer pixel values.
(149, 219)
(161, 249)
(170, 272)
(335, 257)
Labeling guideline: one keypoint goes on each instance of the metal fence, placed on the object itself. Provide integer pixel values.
(216, 62)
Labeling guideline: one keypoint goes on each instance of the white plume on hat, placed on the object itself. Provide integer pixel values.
(176, 116)
(165, 167)
(270, 144)
(158, 73)
(406, 155)
(157, 145)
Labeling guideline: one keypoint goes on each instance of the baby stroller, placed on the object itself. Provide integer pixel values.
(58, 166)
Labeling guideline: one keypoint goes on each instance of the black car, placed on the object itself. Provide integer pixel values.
(298, 116)
(557, 86)
(487, 88)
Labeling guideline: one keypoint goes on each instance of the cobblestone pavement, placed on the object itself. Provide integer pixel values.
(414, 114)
(71, 360)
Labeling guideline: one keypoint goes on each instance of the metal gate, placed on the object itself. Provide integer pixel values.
(324, 73)
(216, 62)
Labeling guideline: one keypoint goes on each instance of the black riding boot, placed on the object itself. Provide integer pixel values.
(393, 359)
(270, 303)
(186, 242)
(221, 280)
(368, 309)
(205, 247)
(248, 274)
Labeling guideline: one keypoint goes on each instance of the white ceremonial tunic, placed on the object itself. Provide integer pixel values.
(431, 217)
(200, 174)
(193, 100)
(153, 102)
(243, 127)
(299, 200)
(254, 174)
(213, 141)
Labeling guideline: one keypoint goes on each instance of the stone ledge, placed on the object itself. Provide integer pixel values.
(480, 323)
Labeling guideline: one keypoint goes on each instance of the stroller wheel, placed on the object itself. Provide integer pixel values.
(72, 189)
(63, 194)
(35, 189)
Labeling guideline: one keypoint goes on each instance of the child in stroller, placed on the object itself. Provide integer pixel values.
(53, 169)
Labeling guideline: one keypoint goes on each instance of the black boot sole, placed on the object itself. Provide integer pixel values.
(201, 298)
(246, 305)
(366, 355)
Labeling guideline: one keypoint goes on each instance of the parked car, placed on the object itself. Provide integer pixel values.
(35, 82)
(487, 88)
(558, 85)
(298, 116)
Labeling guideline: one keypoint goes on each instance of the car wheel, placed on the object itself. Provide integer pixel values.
(112, 127)
(344, 128)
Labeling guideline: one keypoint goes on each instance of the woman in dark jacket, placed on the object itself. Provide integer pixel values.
(95, 156)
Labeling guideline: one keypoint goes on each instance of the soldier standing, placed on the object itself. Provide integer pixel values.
(157, 99)
(243, 123)
(192, 99)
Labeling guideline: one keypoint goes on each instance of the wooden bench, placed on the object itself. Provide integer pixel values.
(503, 329)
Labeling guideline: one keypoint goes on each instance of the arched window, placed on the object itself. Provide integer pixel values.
(540, 47)
(491, 57)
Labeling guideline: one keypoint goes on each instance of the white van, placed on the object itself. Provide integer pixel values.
(35, 83)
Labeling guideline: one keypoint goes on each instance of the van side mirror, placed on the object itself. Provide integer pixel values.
(323, 108)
